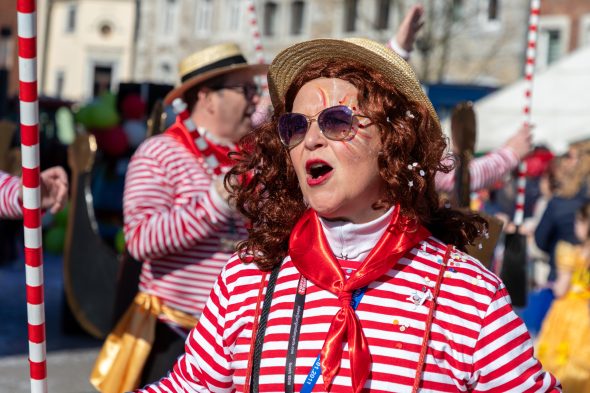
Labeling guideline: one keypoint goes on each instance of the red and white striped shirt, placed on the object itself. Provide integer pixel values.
(483, 171)
(176, 223)
(10, 206)
(477, 343)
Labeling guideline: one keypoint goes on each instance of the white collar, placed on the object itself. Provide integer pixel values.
(205, 133)
(355, 241)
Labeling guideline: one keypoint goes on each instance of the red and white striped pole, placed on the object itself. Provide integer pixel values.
(29, 125)
(253, 19)
(262, 109)
(529, 71)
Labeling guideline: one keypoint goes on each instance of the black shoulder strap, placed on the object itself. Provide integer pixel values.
(270, 289)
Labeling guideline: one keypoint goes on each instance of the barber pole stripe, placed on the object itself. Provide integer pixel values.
(531, 52)
(253, 20)
(258, 48)
(529, 72)
(29, 118)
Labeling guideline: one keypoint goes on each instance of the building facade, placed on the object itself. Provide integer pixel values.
(86, 46)
(478, 41)
(90, 47)
(564, 26)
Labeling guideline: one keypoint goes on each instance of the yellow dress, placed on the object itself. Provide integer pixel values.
(564, 342)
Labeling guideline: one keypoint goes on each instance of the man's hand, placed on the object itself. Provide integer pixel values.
(54, 189)
(521, 141)
(409, 28)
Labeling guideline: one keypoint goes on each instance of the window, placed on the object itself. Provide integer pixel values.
(270, 16)
(457, 10)
(350, 8)
(103, 78)
(382, 17)
(71, 18)
(203, 16)
(59, 83)
(297, 8)
(235, 14)
(170, 8)
(584, 38)
(553, 45)
(493, 10)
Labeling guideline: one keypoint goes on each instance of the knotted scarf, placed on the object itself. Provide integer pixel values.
(313, 258)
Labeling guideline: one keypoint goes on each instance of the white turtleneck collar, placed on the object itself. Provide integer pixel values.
(355, 241)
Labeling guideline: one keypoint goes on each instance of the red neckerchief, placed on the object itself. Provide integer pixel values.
(313, 258)
(180, 133)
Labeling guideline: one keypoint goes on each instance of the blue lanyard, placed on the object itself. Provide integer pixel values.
(316, 370)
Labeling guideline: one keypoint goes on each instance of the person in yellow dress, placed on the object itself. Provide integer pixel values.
(564, 343)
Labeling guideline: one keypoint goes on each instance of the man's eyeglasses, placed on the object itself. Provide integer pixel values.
(336, 123)
(249, 90)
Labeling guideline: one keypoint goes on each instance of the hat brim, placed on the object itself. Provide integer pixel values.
(291, 61)
(178, 92)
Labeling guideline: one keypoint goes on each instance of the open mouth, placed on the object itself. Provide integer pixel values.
(317, 171)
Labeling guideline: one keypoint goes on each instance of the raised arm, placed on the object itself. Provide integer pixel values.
(403, 41)
(487, 170)
(10, 206)
(163, 217)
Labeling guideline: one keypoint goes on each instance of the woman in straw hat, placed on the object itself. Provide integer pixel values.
(352, 278)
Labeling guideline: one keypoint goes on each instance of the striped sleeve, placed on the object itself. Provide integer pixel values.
(160, 218)
(483, 171)
(205, 366)
(10, 206)
(503, 359)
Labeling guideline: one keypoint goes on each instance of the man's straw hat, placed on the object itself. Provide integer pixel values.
(291, 61)
(211, 62)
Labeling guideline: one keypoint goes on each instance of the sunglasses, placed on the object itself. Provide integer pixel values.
(336, 123)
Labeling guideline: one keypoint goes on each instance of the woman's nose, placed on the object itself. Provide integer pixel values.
(314, 137)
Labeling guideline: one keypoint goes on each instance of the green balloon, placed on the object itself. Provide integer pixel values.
(99, 114)
(54, 240)
(120, 241)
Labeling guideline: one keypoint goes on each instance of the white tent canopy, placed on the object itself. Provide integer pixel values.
(560, 108)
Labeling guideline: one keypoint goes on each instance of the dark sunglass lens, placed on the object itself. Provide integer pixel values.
(336, 122)
(292, 128)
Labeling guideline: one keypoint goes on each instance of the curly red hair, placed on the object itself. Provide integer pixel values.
(272, 200)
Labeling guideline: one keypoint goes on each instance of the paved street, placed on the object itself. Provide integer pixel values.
(67, 370)
(70, 357)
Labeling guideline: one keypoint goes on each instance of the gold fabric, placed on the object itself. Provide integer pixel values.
(564, 343)
(125, 351)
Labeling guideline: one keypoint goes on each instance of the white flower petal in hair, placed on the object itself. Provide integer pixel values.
(388, 120)
(411, 183)
(422, 173)
(410, 115)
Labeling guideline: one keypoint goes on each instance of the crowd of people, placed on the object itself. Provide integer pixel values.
(312, 251)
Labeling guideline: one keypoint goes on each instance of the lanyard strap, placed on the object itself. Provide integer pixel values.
(254, 364)
(315, 371)
(298, 307)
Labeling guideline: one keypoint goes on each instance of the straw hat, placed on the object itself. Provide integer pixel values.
(208, 63)
(291, 61)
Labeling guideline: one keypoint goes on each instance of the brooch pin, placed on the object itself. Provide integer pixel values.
(418, 298)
